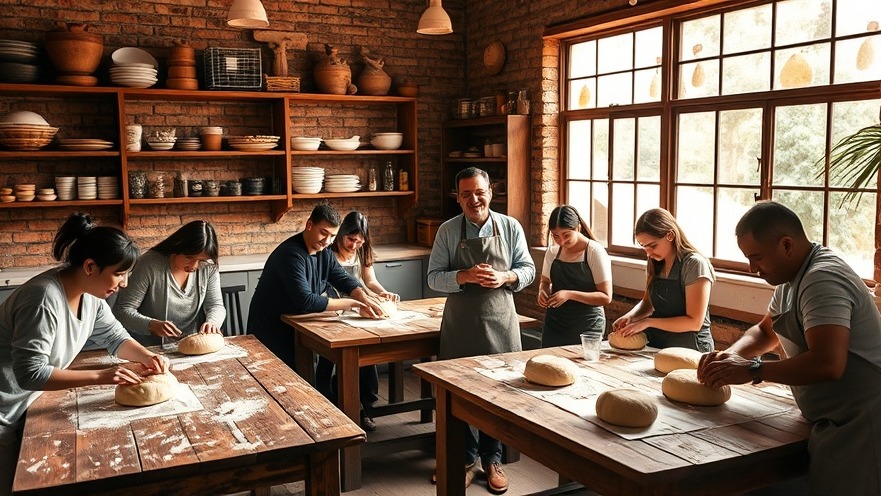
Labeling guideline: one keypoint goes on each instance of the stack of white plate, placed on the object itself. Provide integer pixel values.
(17, 61)
(84, 144)
(108, 188)
(307, 180)
(86, 187)
(188, 144)
(342, 183)
(134, 68)
(65, 186)
(253, 143)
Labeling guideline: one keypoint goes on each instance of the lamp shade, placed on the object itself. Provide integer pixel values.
(247, 14)
(435, 20)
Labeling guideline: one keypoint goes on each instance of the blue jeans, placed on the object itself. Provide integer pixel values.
(481, 444)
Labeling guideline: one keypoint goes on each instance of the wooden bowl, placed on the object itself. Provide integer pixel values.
(7, 198)
(408, 89)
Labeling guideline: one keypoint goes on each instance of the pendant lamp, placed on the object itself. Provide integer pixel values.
(247, 14)
(435, 20)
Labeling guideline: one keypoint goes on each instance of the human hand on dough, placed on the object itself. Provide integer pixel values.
(209, 328)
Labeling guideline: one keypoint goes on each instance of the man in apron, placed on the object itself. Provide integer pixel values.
(827, 322)
(480, 258)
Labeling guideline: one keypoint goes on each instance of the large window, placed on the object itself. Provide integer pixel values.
(706, 113)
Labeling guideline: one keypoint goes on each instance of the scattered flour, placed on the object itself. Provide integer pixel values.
(35, 467)
(279, 389)
(234, 411)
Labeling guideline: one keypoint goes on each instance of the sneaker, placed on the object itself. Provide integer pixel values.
(496, 480)
(367, 423)
(469, 474)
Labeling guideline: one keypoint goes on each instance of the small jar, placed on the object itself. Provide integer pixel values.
(231, 188)
(156, 185)
(195, 187)
(465, 108)
(137, 184)
(211, 188)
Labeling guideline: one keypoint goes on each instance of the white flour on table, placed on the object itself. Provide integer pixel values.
(98, 409)
(351, 319)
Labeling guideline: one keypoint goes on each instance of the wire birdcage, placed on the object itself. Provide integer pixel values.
(233, 68)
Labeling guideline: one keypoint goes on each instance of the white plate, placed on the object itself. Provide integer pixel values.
(331, 189)
(252, 147)
(84, 147)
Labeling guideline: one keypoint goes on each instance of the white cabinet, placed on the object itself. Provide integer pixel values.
(403, 277)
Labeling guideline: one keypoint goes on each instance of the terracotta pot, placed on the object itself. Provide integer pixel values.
(333, 79)
(73, 51)
(374, 82)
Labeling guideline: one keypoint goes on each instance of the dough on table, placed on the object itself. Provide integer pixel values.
(677, 358)
(389, 310)
(152, 390)
(626, 407)
(633, 342)
(200, 344)
(550, 370)
(682, 385)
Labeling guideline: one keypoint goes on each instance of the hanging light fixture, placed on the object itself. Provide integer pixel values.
(247, 14)
(435, 20)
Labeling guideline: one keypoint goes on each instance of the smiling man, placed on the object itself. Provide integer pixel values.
(295, 277)
(480, 258)
(824, 316)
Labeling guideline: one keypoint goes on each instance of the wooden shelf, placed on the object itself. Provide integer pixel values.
(205, 199)
(57, 154)
(57, 203)
(486, 160)
(355, 194)
(202, 154)
(319, 153)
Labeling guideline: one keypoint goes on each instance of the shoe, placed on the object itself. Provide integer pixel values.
(469, 474)
(367, 423)
(496, 480)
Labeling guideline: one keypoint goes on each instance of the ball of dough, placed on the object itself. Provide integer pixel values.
(550, 370)
(682, 385)
(627, 408)
(200, 344)
(152, 390)
(389, 309)
(676, 358)
(633, 342)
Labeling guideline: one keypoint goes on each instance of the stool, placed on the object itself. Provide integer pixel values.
(233, 325)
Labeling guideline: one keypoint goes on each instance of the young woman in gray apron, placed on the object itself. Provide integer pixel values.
(564, 322)
(668, 299)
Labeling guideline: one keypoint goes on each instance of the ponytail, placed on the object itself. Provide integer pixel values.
(567, 217)
(79, 239)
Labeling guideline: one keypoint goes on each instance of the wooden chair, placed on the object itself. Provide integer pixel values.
(233, 325)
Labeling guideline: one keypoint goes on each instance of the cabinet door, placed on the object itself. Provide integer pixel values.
(402, 277)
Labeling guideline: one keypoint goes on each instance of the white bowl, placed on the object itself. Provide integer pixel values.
(24, 117)
(390, 141)
(343, 144)
(161, 145)
(132, 55)
(304, 143)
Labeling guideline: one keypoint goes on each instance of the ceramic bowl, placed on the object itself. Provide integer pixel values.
(348, 144)
(47, 197)
(24, 117)
(161, 145)
(132, 55)
(305, 143)
(7, 198)
(387, 141)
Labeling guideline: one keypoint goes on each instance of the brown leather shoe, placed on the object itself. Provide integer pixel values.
(469, 474)
(496, 480)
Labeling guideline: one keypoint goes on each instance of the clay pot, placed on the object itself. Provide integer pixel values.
(333, 75)
(408, 88)
(374, 82)
(74, 52)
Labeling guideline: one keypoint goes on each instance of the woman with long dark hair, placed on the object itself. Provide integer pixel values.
(47, 321)
(675, 308)
(175, 288)
(576, 280)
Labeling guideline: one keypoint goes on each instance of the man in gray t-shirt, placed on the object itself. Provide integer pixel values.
(826, 320)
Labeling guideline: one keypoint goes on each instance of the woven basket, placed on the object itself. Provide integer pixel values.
(282, 83)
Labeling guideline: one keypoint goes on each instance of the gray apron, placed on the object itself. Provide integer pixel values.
(668, 300)
(478, 320)
(563, 325)
(845, 458)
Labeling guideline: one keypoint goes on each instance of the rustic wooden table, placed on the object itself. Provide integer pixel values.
(722, 459)
(261, 425)
(352, 347)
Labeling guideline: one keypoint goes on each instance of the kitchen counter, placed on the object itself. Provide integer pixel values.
(16, 276)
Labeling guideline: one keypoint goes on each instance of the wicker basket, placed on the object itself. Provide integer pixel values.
(282, 83)
(26, 137)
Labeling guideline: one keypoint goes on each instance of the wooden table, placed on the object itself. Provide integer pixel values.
(720, 459)
(295, 435)
(352, 347)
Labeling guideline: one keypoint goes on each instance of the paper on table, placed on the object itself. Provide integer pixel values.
(97, 408)
(354, 320)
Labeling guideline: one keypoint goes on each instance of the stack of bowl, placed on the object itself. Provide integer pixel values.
(305, 143)
(16, 61)
(46, 194)
(108, 188)
(253, 186)
(25, 192)
(6, 195)
(134, 68)
(182, 67)
(86, 187)
(188, 144)
(163, 139)
(307, 180)
(387, 141)
(25, 131)
(66, 187)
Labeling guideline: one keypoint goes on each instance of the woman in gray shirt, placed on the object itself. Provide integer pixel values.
(175, 288)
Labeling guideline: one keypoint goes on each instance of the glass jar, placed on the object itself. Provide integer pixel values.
(372, 180)
(137, 184)
(156, 184)
(465, 108)
(388, 177)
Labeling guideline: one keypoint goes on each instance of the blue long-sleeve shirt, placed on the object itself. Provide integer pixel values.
(442, 276)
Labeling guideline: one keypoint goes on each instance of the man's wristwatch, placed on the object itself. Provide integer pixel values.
(755, 370)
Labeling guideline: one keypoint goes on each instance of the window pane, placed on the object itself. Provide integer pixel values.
(696, 147)
(848, 234)
(579, 150)
(648, 47)
(578, 196)
(582, 59)
(799, 132)
(848, 118)
(733, 203)
(740, 144)
(747, 29)
(699, 79)
(622, 217)
(647, 196)
(746, 73)
(625, 141)
(800, 67)
(601, 149)
(809, 207)
(803, 20)
(694, 213)
(853, 15)
(615, 89)
(615, 53)
(703, 33)
(648, 161)
(581, 93)
(858, 59)
(647, 86)
(599, 215)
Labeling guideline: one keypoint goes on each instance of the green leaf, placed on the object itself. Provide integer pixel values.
(854, 160)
